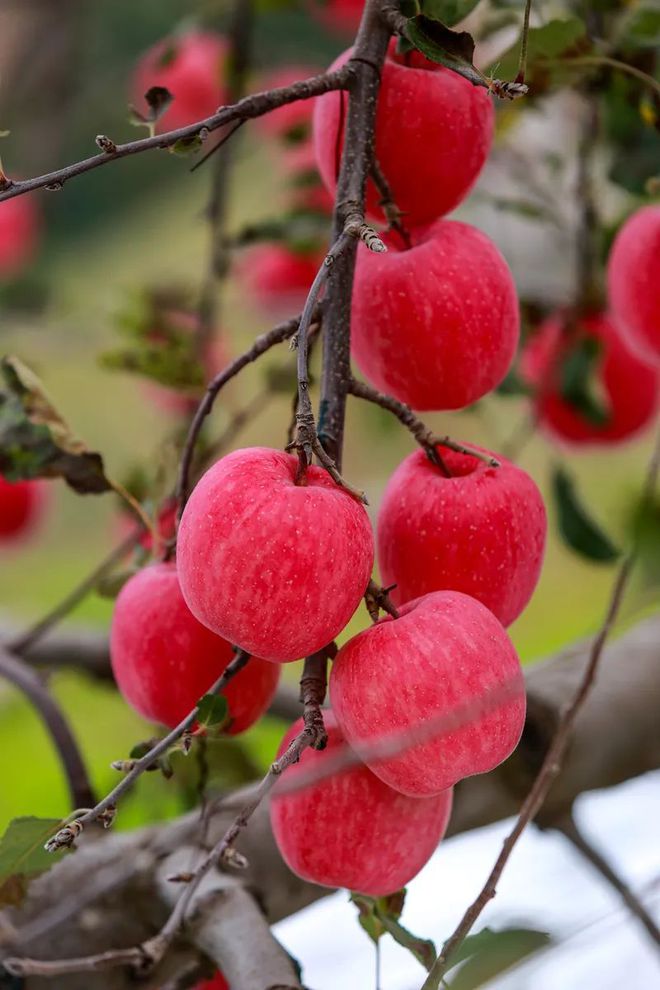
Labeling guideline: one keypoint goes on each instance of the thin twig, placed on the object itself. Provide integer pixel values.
(306, 441)
(262, 344)
(604, 60)
(148, 954)
(23, 642)
(568, 827)
(25, 679)
(248, 108)
(424, 436)
(522, 63)
(551, 765)
(392, 212)
(105, 808)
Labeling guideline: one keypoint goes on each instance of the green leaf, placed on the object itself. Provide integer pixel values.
(643, 26)
(489, 953)
(35, 442)
(22, 855)
(453, 49)
(187, 145)
(577, 529)
(422, 949)
(449, 12)
(552, 40)
(513, 385)
(158, 99)
(368, 916)
(579, 380)
(212, 710)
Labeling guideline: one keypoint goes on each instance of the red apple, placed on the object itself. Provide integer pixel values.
(192, 67)
(443, 651)
(218, 982)
(278, 277)
(341, 15)
(164, 660)
(19, 235)
(481, 532)
(435, 325)
(292, 123)
(21, 506)
(633, 281)
(433, 134)
(275, 567)
(623, 386)
(352, 830)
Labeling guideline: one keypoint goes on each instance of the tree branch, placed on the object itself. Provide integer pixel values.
(569, 829)
(105, 809)
(369, 54)
(246, 109)
(262, 344)
(551, 766)
(19, 674)
(424, 436)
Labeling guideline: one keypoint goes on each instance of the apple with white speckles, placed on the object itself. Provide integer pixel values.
(350, 829)
(481, 531)
(433, 134)
(435, 325)
(444, 651)
(633, 281)
(276, 567)
(164, 660)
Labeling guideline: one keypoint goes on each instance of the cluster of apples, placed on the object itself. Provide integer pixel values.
(624, 342)
(278, 568)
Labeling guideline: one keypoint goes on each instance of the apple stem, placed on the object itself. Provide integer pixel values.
(392, 212)
(377, 599)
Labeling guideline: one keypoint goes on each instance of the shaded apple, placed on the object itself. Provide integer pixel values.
(350, 829)
(482, 531)
(633, 281)
(279, 277)
(445, 650)
(436, 325)
(22, 504)
(164, 660)
(590, 387)
(276, 567)
(433, 134)
(192, 67)
(19, 235)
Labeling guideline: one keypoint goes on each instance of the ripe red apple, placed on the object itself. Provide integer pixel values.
(340, 15)
(481, 532)
(192, 67)
(275, 567)
(278, 277)
(19, 235)
(444, 650)
(624, 387)
(21, 506)
(433, 134)
(218, 982)
(352, 830)
(435, 325)
(164, 660)
(633, 281)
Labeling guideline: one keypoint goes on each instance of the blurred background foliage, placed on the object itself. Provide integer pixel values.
(140, 223)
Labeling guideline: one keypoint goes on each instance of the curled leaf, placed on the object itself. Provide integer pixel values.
(35, 441)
